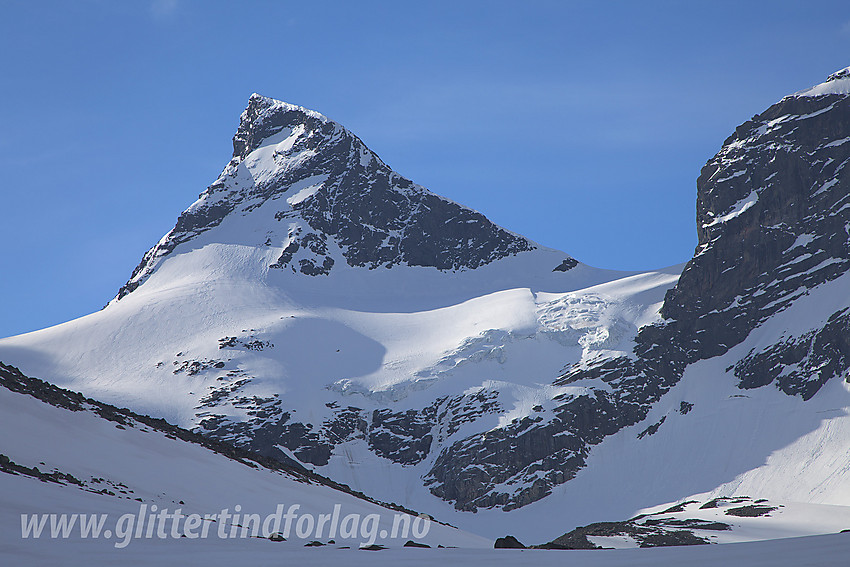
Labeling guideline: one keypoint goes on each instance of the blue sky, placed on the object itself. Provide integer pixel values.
(582, 125)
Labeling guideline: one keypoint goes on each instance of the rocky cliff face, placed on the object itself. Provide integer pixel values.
(773, 218)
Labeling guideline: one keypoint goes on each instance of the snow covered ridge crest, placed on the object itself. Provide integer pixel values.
(837, 83)
(315, 196)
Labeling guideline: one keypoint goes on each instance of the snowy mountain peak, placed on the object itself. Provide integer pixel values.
(260, 103)
(317, 197)
(265, 116)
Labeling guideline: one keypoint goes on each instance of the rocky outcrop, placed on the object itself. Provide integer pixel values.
(800, 365)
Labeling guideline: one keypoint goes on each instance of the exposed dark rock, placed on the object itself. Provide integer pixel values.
(247, 343)
(411, 543)
(751, 511)
(678, 507)
(9, 466)
(265, 430)
(771, 222)
(567, 264)
(673, 538)
(722, 500)
(646, 535)
(193, 367)
(508, 542)
(402, 437)
(692, 523)
(652, 429)
(800, 365)
(535, 455)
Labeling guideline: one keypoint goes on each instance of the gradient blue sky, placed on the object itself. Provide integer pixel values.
(582, 125)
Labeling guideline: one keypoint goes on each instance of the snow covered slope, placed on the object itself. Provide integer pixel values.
(78, 456)
(315, 305)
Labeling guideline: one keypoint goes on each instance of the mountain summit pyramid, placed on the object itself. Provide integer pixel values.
(312, 190)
